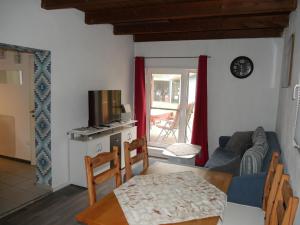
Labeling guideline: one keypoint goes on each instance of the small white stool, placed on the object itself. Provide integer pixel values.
(182, 153)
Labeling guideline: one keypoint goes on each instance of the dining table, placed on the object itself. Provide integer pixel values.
(107, 211)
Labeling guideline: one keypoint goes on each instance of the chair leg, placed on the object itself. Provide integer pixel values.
(174, 134)
(186, 138)
(160, 134)
(167, 134)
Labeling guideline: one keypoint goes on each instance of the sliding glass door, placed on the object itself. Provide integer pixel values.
(170, 105)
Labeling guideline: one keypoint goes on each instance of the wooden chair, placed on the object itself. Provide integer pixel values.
(140, 145)
(92, 163)
(269, 179)
(271, 186)
(236, 214)
(285, 206)
(272, 193)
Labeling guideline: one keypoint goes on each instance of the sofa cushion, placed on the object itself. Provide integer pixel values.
(256, 132)
(259, 131)
(224, 161)
(239, 142)
(247, 190)
(223, 140)
(259, 137)
(252, 161)
(274, 146)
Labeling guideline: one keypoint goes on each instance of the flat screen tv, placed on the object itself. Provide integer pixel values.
(104, 107)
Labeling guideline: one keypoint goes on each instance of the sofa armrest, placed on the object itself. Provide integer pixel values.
(247, 190)
(223, 140)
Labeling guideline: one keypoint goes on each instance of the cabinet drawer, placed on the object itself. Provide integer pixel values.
(97, 146)
(129, 134)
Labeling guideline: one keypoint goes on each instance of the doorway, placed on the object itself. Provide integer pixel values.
(170, 105)
(42, 103)
(17, 122)
(19, 183)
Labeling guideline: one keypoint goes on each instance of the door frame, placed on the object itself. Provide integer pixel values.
(31, 110)
(42, 102)
(183, 98)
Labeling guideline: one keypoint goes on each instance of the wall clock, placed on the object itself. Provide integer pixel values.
(241, 67)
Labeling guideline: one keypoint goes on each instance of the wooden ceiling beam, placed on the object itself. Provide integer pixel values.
(89, 5)
(80, 4)
(208, 35)
(199, 9)
(204, 24)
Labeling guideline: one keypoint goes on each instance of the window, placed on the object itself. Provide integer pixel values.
(11, 77)
(170, 105)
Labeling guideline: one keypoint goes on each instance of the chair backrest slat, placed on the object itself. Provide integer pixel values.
(272, 193)
(97, 161)
(137, 158)
(285, 205)
(294, 207)
(287, 192)
(105, 158)
(106, 175)
(140, 145)
(137, 143)
(269, 179)
(280, 212)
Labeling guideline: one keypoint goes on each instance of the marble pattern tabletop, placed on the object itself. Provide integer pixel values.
(169, 198)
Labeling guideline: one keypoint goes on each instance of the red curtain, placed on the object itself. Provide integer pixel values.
(199, 133)
(140, 96)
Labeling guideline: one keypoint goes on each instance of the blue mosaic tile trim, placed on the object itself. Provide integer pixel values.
(42, 81)
(19, 48)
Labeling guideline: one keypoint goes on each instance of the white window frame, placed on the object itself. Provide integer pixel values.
(183, 99)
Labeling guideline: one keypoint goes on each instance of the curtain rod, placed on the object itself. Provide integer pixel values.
(174, 57)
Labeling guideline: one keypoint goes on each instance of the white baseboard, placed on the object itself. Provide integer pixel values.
(60, 186)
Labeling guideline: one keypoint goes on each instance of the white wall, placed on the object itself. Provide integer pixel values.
(287, 111)
(233, 104)
(83, 57)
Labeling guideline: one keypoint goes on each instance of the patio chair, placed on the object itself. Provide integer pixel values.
(170, 126)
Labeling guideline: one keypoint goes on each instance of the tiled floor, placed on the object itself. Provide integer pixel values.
(17, 185)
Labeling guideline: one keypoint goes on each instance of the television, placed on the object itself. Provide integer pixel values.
(104, 107)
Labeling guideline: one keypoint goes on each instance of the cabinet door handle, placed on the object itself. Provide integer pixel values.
(99, 147)
(129, 135)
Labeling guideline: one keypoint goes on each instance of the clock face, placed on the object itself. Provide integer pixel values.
(241, 67)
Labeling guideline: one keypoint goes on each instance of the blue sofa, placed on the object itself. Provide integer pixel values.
(248, 189)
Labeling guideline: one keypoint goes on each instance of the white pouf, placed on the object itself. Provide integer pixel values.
(182, 153)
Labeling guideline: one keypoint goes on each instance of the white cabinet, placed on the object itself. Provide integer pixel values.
(80, 149)
(92, 146)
